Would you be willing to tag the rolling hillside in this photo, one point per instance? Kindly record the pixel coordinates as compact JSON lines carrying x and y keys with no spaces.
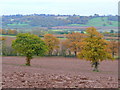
{"x":99,"y":21}
{"x":41,"y":20}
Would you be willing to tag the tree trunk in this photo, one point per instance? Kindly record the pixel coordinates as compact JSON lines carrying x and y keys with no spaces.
{"x":27,"y":61}
{"x":113,"y":54}
{"x":69,"y":52}
{"x":57,"y":52}
{"x":75,"y":53}
{"x":95,"y":66}
{"x":50,"y":53}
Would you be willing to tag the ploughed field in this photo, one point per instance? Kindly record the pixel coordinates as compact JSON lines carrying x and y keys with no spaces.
{"x":58,"y":72}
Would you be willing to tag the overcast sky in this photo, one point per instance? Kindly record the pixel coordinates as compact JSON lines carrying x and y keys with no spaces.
{"x":79,"y":7}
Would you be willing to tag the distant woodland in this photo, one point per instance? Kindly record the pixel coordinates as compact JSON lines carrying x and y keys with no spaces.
{"x":48,"y":20}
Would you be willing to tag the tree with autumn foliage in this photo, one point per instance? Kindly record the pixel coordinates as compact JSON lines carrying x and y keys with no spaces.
{"x":113,"y":46}
{"x":65,"y":50}
{"x":2,"y":41}
{"x":2,"y":31}
{"x":52,"y":42}
{"x":8,"y":32}
{"x":95,"y":48}
{"x":74,"y":42}
{"x":12,"y":32}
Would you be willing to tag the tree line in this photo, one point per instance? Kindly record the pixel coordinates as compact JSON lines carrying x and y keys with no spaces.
{"x":8,"y":32}
{"x":89,"y":46}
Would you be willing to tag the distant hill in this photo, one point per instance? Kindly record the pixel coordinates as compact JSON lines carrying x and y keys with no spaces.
{"x":99,"y":22}
{"x":43,"y":20}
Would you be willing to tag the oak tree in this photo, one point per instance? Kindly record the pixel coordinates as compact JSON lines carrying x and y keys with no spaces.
{"x":95,"y":48}
{"x":29,"y":45}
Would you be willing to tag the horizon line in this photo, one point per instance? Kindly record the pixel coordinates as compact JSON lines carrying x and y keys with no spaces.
{"x":61,"y":14}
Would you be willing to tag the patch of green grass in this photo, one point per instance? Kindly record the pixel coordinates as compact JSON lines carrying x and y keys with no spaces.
{"x":23,"y":65}
{"x":61,"y":38}
{"x":99,"y":21}
{"x":19,"y":24}
{"x":77,"y":25}
{"x":56,"y":30}
{"x":59,"y":29}
{"x":9,"y":35}
{"x":117,"y":57}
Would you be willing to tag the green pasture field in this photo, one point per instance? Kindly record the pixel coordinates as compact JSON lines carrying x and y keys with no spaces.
{"x":8,"y":35}
{"x":98,"y":22}
{"x":62,"y":38}
{"x":56,"y":30}
{"x":19,"y":24}
{"x":59,"y":29}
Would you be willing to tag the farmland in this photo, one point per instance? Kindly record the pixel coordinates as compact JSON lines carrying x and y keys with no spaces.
{"x":97,"y":22}
{"x":60,"y":51}
{"x":58,"y":72}
{"x":40,"y":20}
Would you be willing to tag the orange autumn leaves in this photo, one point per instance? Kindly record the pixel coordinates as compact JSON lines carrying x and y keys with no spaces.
{"x":52,"y":42}
{"x":95,"y":48}
{"x":8,"y":32}
{"x":113,"y":48}
{"x":74,"y":42}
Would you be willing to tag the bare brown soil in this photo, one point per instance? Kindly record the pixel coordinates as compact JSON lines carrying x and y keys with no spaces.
{"x":58,"y":72}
